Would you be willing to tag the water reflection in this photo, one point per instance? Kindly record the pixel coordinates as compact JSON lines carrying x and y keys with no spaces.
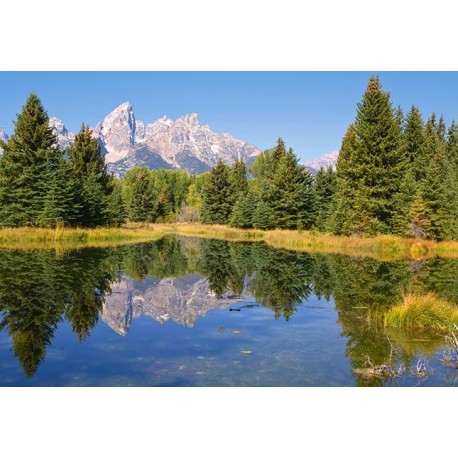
{"x":181,"y":280}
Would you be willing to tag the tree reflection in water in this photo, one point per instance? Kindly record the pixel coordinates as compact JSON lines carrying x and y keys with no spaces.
{"x":40,"y":289}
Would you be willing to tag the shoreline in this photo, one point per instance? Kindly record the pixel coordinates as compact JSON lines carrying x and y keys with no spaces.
{"x":382,"y":247}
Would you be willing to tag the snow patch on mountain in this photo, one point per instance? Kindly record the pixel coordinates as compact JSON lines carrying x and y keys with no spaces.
{"x":64,"y":137}
{"x":325,"y":161}
{"x":181,"y":144}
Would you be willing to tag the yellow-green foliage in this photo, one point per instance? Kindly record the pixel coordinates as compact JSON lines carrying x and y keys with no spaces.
{"x":33,"y":238}
{"x":423,"y":312}
{"x":382,"y":247}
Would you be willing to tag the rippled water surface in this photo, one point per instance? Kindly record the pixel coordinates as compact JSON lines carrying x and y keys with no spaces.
{"x":200,"y":312}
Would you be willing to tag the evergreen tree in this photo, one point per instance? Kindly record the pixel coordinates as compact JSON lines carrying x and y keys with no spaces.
{"x":164,"y":206}
{"x":440,"y":197}
{"x":324,"y":190}
{"x":452,"y":147}
{"x":116,"y":212}
{"x":217,"y":201}
{"x":86,"y":159}
{"x":290,"y":195}
{"x":62,"y":203}
{"x":140,"y":195}
{"x":29,"y":162}
{"x":342,"y":218}
{"x":262,"y":216}
{"x":88,"y":166}
{"x":441,"y":129}
{"x":419,"y":224}
{"x":371,"y":173}
{"x":261,"y":168}
{"x":414,"y":144}
{"x":278,"y":154}
{"x":433,"y":143}
{"x":243,"y":211}
{"x":238,"y":179}
{"x":403,"y":201}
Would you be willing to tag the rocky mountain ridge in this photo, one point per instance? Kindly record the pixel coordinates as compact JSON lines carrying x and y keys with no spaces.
{"x":325,"y":161}
{"x":181,"y":300}
{"x":181,"y":144}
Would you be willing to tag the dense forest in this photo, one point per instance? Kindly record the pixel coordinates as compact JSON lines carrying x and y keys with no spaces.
{"x":396,"y":174}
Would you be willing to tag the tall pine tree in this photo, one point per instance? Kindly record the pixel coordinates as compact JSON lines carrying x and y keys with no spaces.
{"x":30,"y":162}
{"x":88,"y":166}
{"x":372,"y":172}
{"x":218,"y":201}
{"x":290,"y":194}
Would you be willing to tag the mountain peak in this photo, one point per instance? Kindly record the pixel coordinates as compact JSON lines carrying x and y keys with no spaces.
{"x":126,"y":106}
{"x":64,"y":137}
{"x":325,"y":161}
{"x":117,"y":132}
{"x":180,"y":144}
{"x":190,"y":119}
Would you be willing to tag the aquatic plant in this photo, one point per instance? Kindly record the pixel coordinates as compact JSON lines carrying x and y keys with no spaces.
{"x":425,"y":312}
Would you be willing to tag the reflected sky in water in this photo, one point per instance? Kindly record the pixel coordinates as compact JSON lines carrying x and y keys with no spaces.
{"x":200,"y":312}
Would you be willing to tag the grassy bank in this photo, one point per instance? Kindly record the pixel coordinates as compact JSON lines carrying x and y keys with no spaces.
{"x":383,"y":247}
{"x":35,"y":238}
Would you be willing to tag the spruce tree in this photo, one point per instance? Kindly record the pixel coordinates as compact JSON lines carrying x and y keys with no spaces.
{"x":116,"y":212}
{"x":243,"y":211}
{"x":88,"y":166}
{"x":278,"y":154}
{"x":290,"y":194}
{"x":238,"y":179}
{"x":342,"y":217}
{"x":403,"y":202}
{"x":217,"y":202}
{"x":63,"y":202}
{"x":371,"y":174}
{"x":140,"y":195}
{"x":440,"y":197}
{"x":324,"y":190}
{"x":433,"y":144}
{"x":262,"y":216}
{"x":30,"y":160}
{"x":419,"y":223}
{"x":451,"y":147}
{"x":441,"y":129}
{"x":414,"y":144}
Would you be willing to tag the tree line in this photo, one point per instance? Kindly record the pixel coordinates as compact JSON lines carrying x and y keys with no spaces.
{"x":396,"y":174}
{"x":39,"y":187}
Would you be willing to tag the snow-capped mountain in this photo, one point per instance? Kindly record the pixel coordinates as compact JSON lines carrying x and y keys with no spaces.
{"x":64,"y":137}
{"x":181,"y":300}
{"x":181,"y":144}
{"x":328,"y":160}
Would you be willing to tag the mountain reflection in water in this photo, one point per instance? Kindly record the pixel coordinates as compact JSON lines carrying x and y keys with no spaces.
{"x":182,"y":280}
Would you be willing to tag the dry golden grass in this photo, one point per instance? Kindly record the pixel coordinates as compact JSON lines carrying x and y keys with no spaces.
{"x":382,"y":247}
{"x":36,"y":238}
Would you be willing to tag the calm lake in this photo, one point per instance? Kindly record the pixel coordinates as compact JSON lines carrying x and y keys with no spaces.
{"x":200,"y":312}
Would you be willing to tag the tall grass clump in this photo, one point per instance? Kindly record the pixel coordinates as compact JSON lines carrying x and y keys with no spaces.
{"x":423,"y":312}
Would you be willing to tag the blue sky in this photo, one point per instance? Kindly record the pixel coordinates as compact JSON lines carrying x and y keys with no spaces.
{"x":310,"y":110}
